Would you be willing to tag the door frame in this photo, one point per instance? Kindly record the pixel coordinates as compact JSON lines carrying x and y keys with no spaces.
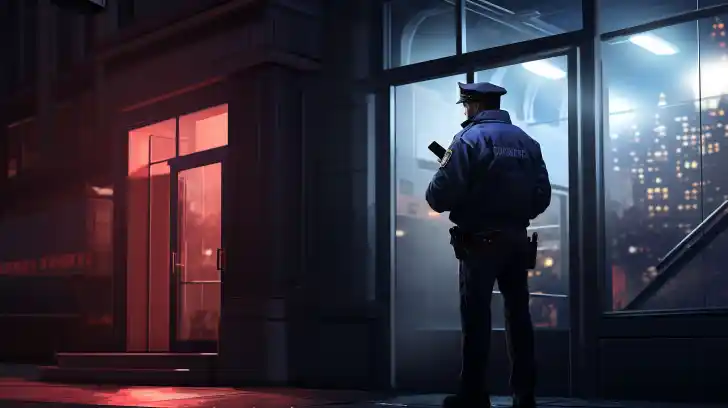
{"x":178,"y":165}
{"x":207,"y":94}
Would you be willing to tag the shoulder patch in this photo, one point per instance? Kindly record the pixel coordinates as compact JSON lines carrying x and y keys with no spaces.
{"x":445,"y":158}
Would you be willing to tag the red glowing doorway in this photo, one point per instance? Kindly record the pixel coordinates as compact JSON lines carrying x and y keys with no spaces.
{"x":175,"y":180}
{"x":196,"y":246}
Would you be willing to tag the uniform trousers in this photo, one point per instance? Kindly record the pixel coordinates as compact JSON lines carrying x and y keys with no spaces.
{"x":499,"y":260}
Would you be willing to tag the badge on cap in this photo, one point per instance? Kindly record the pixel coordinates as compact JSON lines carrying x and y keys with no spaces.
{"x":445,"y":158}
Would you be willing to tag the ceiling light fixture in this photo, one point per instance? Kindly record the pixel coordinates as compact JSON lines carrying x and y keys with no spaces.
{"x":544,"y":69}
{"x":653,"y":44}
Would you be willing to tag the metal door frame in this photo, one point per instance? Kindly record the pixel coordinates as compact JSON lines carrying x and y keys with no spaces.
{"x":178,"y":165}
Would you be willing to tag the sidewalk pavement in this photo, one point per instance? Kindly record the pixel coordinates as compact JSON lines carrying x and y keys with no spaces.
{"x":23,"y":393}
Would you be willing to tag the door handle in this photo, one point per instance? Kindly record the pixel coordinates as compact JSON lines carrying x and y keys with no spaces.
{"x":220,"y":261}
{"x":175,"y":260}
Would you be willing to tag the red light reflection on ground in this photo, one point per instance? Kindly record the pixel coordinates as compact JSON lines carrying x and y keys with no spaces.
{"x":145,"y":396}
{"x":19,"y":390}
{"x":173,"y":397}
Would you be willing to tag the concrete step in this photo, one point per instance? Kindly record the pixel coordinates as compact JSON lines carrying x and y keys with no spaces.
{"x":127,"y":376}
{"x":152,"y":361}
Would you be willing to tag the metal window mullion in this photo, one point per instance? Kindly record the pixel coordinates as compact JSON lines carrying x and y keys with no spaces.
{"x":384,"y":232}
{"x":462,"y":35}
{"x":149,"y":244}
{"x":380,"y":44}
{"x":672,"y":20}
{"x":587,"y":262}
{"x":540,"y":48}
{"x":176,"y":136}
{"x":460,"y":39}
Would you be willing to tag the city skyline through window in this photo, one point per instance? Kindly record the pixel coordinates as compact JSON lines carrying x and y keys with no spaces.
{"x":664,"y":159}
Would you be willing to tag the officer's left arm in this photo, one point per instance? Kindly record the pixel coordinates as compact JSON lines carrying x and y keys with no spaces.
{"x":449,"y":186}
{"x":542,"y":190}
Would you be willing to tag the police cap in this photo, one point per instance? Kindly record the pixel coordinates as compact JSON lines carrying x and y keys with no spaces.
{"x":479,"y":91}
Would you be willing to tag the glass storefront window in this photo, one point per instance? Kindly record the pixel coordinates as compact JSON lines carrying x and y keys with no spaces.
{"x":203,"y":130}
{"x":148,"y":229}
{"x":427,"y":286}
{"x":494,"y":23}
{"x":426,"y":271}
{"x":158,"y":259}
{"x":420,"y":30}
{"x":159,"y":137}
{"x":537,"y":101}
{"x":426,"y":295}
{"x":618,"y":14}
{"x":426,"y":29}
{"x":665,"y":165}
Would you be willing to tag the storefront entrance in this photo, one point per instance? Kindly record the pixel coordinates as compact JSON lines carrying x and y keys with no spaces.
{"x":197,"y":251}
{"x":174,"y":233}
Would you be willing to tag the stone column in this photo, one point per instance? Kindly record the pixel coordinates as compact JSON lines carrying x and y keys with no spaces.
{"x":262,"y":217}
{"x":335,"y":336}
{"x":298,"y":305}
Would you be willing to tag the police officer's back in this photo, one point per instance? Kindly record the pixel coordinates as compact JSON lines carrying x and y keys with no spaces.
{"x":493,"y":180}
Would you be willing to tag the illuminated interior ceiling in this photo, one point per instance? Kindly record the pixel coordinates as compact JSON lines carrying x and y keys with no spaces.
{"x":555,"y":16}
{"x":639,"y":68}
{"x":524,"y":18}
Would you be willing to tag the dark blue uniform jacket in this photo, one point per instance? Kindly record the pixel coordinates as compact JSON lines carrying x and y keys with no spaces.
{"x":492,"y":177}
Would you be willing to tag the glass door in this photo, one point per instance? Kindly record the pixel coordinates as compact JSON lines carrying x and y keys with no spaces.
{"x":197,"y":252}
{"x":426,"y":296}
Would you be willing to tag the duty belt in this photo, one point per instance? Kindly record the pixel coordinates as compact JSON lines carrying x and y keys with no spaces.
{"x":465,"y":243}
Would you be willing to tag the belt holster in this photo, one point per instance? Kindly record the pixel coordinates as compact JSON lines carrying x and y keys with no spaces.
{"x":457,"y":240}
{"x":532,"y":251}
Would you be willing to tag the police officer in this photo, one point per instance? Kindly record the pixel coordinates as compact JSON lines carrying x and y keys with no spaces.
{"x":493,"y":180}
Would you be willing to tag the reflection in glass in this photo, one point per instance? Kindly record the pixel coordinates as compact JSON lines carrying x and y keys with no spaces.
{"x":665,"y":169}
{"x":537,"y":101}
{"x":701,"y":283}
{"x":501,"y":22}
{"x":426,"y":291}
{"x":203,"y":130}
{"x":199,"y":211}
{"x":426,"y":269}
{"x":147,"y":230}
{"x":421,"y":30}
{"x":137,"y":240}
{"x":158,"y":280}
